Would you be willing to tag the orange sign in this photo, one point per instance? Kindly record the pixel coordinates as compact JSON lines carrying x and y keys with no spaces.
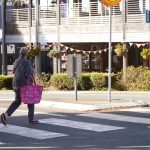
{"x":111,"y":2}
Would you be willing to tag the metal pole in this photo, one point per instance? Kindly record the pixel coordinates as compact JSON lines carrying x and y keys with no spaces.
{"x":37,"y":58}
{"x":124,"y":39}
{"x":4,"y":50}
{"x":30,"y":19}
{"x":109,"y":54}
{"x":58,"y":34}
{"x":75,"y":87}
{"x":75,"y":75}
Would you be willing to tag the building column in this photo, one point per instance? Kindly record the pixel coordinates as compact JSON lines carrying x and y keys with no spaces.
{"x":3,"y":46}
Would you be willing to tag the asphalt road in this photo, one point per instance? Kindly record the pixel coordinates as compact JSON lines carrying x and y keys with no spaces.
{"x":117,"y":130}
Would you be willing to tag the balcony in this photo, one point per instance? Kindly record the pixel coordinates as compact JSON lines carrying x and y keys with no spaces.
{"x":79,"y":24}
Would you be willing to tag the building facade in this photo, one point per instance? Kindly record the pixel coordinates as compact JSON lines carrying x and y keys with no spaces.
{"x":81,"y":25}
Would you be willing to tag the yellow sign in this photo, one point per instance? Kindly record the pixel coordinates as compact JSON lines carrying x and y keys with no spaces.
{"x":111,"y":2}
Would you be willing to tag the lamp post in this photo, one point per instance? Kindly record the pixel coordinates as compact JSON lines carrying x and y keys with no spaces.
{"x":110,"y":4}
{"x":37,"y":58}
{"x":58,"y":35}
{"x":124,"y":39}
{"x":110,"y":54}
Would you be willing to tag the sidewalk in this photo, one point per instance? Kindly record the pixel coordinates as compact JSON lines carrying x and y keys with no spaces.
{"x":87,"y":100}
{"x":91,"y":104}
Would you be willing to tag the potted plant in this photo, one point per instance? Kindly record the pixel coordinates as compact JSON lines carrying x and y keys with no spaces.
{"x":33,"y":52}
{"x":145,"y":53}
{"x":54,"y":53}
{"x":120,"y":50}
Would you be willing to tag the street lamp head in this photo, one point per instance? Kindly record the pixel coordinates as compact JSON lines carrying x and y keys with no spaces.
{"x":111,"y":2}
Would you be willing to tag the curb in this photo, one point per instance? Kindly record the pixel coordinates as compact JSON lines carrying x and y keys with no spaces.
{"x":88,"y":107}
{"x":85,"y":107}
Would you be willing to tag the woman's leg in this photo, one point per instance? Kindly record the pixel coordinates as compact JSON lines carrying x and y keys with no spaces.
{"x":31,"y":112}
{"x":15,"y":104}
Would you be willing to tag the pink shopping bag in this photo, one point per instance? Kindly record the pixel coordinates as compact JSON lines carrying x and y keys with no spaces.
{"x":31,"y":94}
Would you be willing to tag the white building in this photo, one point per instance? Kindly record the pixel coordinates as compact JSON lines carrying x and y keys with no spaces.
{"x":84,"y":25}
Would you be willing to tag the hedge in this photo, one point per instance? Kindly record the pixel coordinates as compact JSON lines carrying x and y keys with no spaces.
{"x":6,"y":82}
{"x":61,"y":82}
{"x":84,"y":82}
{"x":137,"y":79}
{"x":87,"y":81}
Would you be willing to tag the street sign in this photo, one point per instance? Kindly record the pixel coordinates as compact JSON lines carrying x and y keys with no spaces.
{"x":111,"y":2}
{"x":74,"y":68}
{"x":148,"y":16}
{"x":74,"y":65}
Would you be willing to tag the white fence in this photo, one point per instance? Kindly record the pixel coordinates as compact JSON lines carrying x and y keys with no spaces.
{"x":77,"y":14}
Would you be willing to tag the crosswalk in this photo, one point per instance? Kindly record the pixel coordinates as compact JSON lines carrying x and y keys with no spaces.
{"x":29,"y":132}
{"x":81,"y":122}
{"x":1,"y":143}
{"x":118,"y":118}
{"x":80,"y":125}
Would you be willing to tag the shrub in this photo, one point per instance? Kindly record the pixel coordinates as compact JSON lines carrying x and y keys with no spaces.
{"x":6,"y":82}
{"x":99,"y":80}
{"x":84,"y":82}
{"x":44,"y":79}
{"x":61,"y":81}
{"x":87,"y":81}
{"x":147,"y":74}
{"x":136,"y":79}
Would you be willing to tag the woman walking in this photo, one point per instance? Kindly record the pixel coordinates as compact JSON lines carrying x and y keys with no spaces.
{"x":23,"y":73}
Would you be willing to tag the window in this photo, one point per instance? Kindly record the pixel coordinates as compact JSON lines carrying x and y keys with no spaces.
{"x":85,"y":59}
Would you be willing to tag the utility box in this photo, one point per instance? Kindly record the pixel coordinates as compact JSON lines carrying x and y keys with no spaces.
{"x":148,"y":16}
{"x":74,"y":65}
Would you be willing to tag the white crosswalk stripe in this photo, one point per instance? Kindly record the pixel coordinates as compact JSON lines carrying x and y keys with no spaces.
{"x":116,"y":117}
{"x":29,"y":132}
{"x":138,"y":110}
{"x":1,"y":143}
{"x":80,"y":125}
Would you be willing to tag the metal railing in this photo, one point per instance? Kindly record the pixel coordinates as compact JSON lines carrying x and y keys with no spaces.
{"x":78,"y":14}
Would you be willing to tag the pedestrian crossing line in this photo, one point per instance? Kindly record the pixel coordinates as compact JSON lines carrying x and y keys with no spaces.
{"x":80,"y":125}
{"x":29,"y":132}
{"x":137,"y":110}
{"x":44,"y":147}
{"x":117,"y":117}
{"x":1,"y":143}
